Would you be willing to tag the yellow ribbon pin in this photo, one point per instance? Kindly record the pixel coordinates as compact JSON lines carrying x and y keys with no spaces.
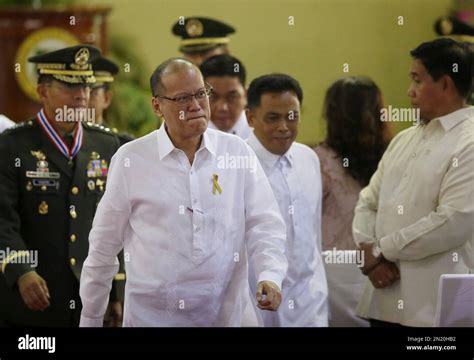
{"x":215,"y":184}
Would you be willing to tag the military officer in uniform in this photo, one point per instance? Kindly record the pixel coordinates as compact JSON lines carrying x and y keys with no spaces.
{"x":101,"y":93}
{"x":202,"y":37}
{"x":105,"y":71}
{"x":53,"y":172}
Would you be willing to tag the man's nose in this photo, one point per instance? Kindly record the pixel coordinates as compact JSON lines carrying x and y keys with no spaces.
{"x":194,"y":104}
{"x":222,"y":105}
{"x":410,"y":92}
{"x":283,"y":126}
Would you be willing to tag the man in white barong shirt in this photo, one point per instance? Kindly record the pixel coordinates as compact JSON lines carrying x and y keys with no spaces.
{"x":414,"y":221}
{"x":186,"y":217}
{"x":294,"y":173}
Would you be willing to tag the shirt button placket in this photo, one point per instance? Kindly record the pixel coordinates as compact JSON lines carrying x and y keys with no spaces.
{"x":196,"y":216}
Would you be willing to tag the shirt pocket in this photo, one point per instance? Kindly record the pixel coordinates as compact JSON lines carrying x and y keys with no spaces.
{"x":220,"y":215}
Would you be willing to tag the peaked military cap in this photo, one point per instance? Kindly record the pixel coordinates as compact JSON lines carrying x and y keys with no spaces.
{"x":72,"y":65}
{"x":201,"y":33}
{"x":104,"y":70}
{"x":455,"y":28}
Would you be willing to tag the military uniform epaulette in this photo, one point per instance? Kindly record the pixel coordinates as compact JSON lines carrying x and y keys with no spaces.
{"x":97,"y":127}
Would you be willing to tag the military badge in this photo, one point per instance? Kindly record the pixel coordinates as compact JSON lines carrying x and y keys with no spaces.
{"x":42,"y":164}
{"x":104,"y":168}
{"x":100,"y":184}
{"x":43,"y":208}
{"x":91,"y":185}
{"x":97,"y":167}
{"x":194,"y":28}
{"x":42,"y":170}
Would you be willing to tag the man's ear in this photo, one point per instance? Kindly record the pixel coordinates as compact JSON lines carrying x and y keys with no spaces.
{"x":250,"y":117}
{"x":447,"y":83}
{"x":42,"y":90}
{"x":108,"y":96}
{"x":450,"y":86}
{"x":155,"y":104}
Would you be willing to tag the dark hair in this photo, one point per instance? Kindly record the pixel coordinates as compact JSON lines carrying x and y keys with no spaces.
{"x":224,"y":65}
{"x":155,"y":79}
{"x":45,"y":79}
{"x":352,"y":109}
{"x":440,"y":55}
{"x":273,"y":83}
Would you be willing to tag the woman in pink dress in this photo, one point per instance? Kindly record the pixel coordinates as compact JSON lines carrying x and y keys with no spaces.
{"x":356,"y":139}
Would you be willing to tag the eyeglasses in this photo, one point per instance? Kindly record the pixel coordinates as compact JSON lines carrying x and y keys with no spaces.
{"x":187,"y":98}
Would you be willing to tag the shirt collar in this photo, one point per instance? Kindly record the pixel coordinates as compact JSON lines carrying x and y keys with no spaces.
{"x":211,"y":125}
{"x":266,"y":156}
{"x":165,"y":145}
{"x":450,"y":120}
{"x":238,"y":126}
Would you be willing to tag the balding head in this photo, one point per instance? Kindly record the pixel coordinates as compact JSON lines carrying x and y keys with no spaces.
{"x":178,"y":87}
{"x":170,"y":66}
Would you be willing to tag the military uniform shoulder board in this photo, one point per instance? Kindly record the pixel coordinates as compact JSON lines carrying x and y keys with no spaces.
{"x":97,"y":127}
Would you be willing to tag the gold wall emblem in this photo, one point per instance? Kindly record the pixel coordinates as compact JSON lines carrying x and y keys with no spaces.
{"x":39,"y":42}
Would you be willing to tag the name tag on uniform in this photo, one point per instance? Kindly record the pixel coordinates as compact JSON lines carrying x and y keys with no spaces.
{"x":46,"y":182}
{"x":43,"y":174}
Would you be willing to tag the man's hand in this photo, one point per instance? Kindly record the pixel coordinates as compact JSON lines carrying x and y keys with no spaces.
{"x":34,"y":291}
{"x":384,"y":274}
{"x":370,"y":261}
{"x":113,"y":315}
{"x":268,"y":295}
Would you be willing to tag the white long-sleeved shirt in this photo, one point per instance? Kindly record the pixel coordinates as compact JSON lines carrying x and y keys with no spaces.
{"x":5,"y":123}
{"x":241,"y":127}
{"x":295,"y":179}
{"x":184,"y":245}
{"x":419,"y":208}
